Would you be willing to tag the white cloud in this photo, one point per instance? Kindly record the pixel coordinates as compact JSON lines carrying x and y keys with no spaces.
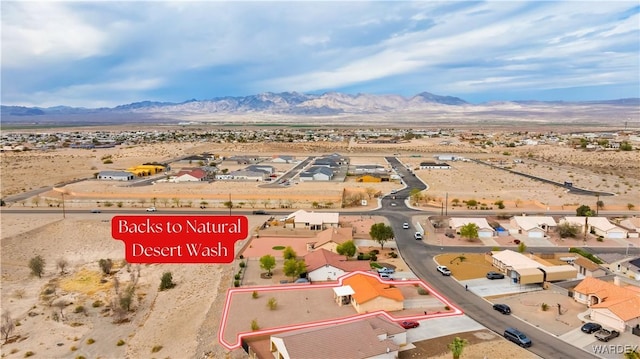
{"x":39,"y":32}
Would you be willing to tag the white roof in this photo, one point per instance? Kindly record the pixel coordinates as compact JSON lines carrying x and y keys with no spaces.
{"x":528,"y":223}
{"x":302,"y":216}
{"x":343,"y":291}
{"x":601,"y":223}
{"x":459,"y":222}
{"x":515,"y":260}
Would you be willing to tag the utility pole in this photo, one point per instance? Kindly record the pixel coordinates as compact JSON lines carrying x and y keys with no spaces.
{"x":597,"y":203}
{"x":446,"y":203}
{"x":230,"y":204}
{"x":64,"y":214}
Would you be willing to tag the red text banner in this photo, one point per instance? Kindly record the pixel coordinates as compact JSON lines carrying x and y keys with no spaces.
{"x":179,"y":239}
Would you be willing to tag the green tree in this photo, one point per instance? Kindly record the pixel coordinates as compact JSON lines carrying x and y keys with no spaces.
{"x":626,"y":146}
{"x":289,"y":253}
{"x":36,"y":264}
{"x":567,"y":229}
{"x":630,"y":206}
{"x":522,"y":247}
{"x":294,"y":267}
{"x":469,"y":231}
{"x":457,"y":346}
{"x":584,"y":211}
{"x":105,"y":265}
{"x":267,"y":262}
{"x":415,"y":195}
{"x":166,"y":282}
{"x":347,"y":249}
{"x":381,"y":233}
{"x":499,"y":203}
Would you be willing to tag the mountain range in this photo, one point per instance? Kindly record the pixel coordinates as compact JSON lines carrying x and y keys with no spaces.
{"x":295,"y":103}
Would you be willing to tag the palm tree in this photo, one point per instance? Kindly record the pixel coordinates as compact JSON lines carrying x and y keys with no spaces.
{"x":457,"y":346}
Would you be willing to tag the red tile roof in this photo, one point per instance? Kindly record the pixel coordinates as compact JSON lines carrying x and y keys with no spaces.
{"x":322,"y":257}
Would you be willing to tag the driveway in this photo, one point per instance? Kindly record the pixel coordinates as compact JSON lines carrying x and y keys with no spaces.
{"x":484,"y":287}
{"x":437,"y":327}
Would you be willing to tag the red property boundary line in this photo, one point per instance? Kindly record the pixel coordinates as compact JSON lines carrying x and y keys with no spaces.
{"x":455,"y":311}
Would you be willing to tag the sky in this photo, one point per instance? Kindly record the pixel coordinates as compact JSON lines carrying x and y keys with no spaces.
{"x":107,"y":53}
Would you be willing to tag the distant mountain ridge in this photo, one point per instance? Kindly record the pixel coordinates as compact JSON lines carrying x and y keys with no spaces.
{"x":295,"y":103}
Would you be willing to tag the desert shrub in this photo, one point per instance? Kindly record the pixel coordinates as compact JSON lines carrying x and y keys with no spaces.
{"x":373,"y":257}
{"x":73,"y":348}
{"x":166,"y":282}
{"x":374,"y":251}
{"x":156,"y":348}
{"x":105,"y":265}
{"x":36,"y":264}
{"x":446,"y":307}
{"x":29,"y":353}
{"x":236,"y":276}
{"x":254,"y":325}
{"x":423,"y":291}
{"x":79,"y":309}
{"x":120,"y":343}
{"x":544,"y":307}
{"x":90,"y":341}
{"x":97,"y":304}
{"x":393,"y":255}
{"x":254,"y":295}
{"x":272,"y":304}
{"x":81,"y":357}
{"x":600,"y":239}
{"x":236,"y":283}
{"x":243,"y":264}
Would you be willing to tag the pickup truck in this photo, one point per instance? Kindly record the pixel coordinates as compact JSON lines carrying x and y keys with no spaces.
{"x":604,"y":335}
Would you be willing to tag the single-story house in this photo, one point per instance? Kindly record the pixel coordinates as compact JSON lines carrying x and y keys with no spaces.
{"x":434,"y":166}
{"x":373,"y":178}
{"x":312,"y":220}
{"x":316,"y":173}
{"x":330,"y":238}
{"x":614,"y":305}
{"x":115,"y":175}
{"x":524,"y":269}
{"x":484,"y":229}
{"x":632,"y":225}
{"x":361,"y":169}
{"x":588,"y":268}
{"x":533,"y":226}
{"x":367,"y":338}
{"x":192,"y":175}
{"x":371,"y":295}
{"x":243,"y":175}
{"x":283,"y":159}
{"x":264,"y":168}
{"x":146,"y":170}
{"x":323,"y":265}
{"x":600,"y":226}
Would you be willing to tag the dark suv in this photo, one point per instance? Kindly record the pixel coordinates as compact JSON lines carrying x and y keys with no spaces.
{"x":502,"y":308}
{"x":517,"y":337}
{"x":495,"y":275}
{"x":591,"y":328}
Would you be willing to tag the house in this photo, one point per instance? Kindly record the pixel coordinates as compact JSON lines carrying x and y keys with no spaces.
{"x":631,"y":268}
{"x":484,"y":229}
{"x":312,"y":220}
{"x":192,"y":175}
{"x":371,"y":295}
{"x":374,"y":169}
{"x":325,"y":162}
{"x":244,"y":160}
{"x":613,"y":305}
{"x":632,"y":225}
{"x":146,"y":170}
{"x":374,"y":337}
{"x":330,"y":238}
{"x":323,"y":265}
{"x":115,"y":175}
{"x":434,"y":166}
{"x":373,"y":178}
{"x":202,"y":159}
{"x":316,"y":173}
{"x":264,"y":168}
{"x":533,"y":226}
{"x":588,"y":268}
{"x":243,"y":175}
{"x":524,"y":269}
{"x":283,"y":159}
{"x":600,"y":226}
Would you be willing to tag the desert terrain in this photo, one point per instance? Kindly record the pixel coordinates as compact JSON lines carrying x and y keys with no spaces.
{"x":64,"y":313}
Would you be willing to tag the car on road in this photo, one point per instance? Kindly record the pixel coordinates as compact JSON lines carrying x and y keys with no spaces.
{"x":418,"y":236}
{"x":502,"y":308}
{"x":260,"y":211}
{"x":393,"y":204}
{"x":394,"y":191}
{"x":443,"y":270}
{"x":96,"y":211}
{"x":450,"y":235}
{"x":405,"y":225}
{"x":386,"y":270}
{"x":517,"y":337}
{"x":152,"y":209}
{"x":590,"y":328}
{"x":604,"y":335}
{"x":495,"y":275}
{"x":408,"y":324}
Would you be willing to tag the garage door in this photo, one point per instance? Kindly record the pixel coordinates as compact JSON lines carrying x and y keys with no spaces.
{"x":536,"y":234}
{"x":616,"y":235}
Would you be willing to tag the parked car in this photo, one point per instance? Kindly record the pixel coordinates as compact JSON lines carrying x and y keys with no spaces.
{"x":443,"y":270}
{"x":260,"y":211}
{"x":502,"y":308}
{"x":408,"y":324}
{"x":95,"y":211}
{"x":604,"y":335}
{"x":517,"y":337}
{"x":405,"y":225}
{"x":386,"y":276}
{"x":393,"y":204}
{"x":386,"y":270}
{"x":495,"y":275}
{"x":151,"y":209}
{"x":590,"y":328}
{"x":450,"y":235}
{"x":418,"y":236}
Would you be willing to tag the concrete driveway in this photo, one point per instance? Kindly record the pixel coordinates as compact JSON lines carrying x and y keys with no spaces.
{"x":437,"y":327}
